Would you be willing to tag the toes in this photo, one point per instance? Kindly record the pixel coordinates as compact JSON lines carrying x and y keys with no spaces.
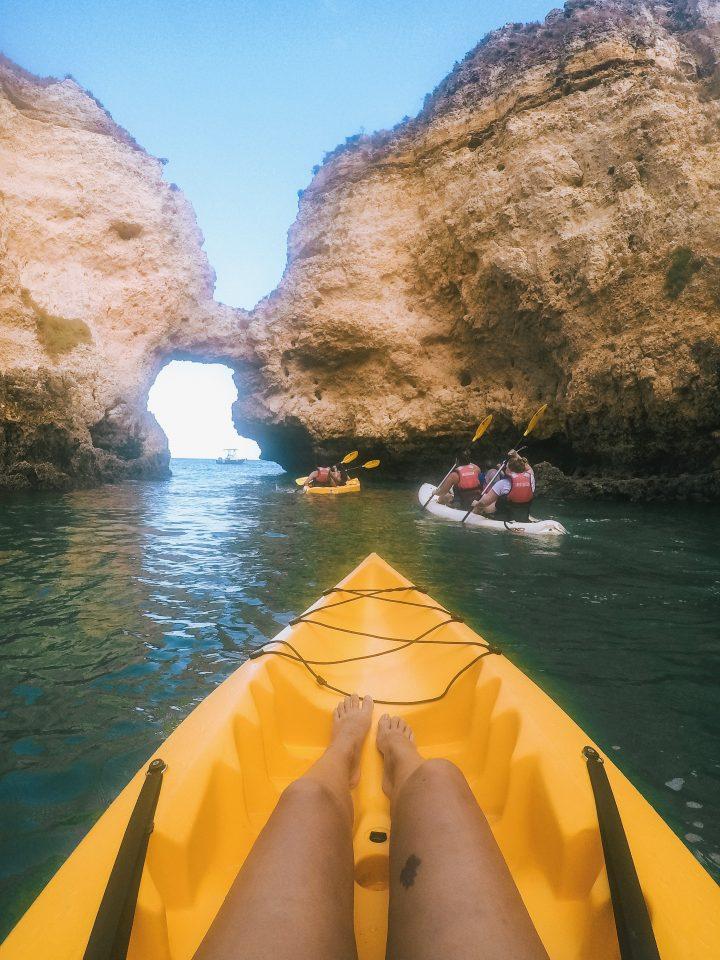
{"x":396,"y":725}
{"x":351,"y":704}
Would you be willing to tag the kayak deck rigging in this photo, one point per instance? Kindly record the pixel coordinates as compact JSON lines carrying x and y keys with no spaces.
{"x":404,"y":642}
{"x":233,"y":755}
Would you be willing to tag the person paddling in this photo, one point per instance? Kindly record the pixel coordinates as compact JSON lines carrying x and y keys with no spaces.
{"x":327,"y":477}
{"x":463,"y":484}
{"x":511,"y":493}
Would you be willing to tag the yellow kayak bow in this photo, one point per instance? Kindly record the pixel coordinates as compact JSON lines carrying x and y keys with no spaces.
{"x":229,"y":760}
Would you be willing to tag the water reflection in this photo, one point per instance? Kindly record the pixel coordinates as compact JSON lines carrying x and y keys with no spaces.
{"x":122,"y":607}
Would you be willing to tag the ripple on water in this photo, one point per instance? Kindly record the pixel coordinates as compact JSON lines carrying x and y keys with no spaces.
{"x":123,"y":607}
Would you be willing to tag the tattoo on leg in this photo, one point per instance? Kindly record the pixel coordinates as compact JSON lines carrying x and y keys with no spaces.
{"x":409,"y":871}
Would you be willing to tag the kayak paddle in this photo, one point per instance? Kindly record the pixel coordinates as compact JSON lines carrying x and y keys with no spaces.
{"x":370,"y":465}
{"x":528,"y":430}
{"x":348,"y":458}
{"x":482,"y":427}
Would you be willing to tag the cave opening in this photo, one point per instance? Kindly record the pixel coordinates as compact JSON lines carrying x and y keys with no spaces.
{"x":192,"y":402}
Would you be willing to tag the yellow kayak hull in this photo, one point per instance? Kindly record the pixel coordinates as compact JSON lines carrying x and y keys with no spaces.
{"x":229,"y":760}
{"x":352,"y":486}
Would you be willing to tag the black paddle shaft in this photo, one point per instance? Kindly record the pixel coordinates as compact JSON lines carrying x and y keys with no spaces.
{"x":632,"y":920}
{"x":500,"y":473}
{"x":110,"y":935}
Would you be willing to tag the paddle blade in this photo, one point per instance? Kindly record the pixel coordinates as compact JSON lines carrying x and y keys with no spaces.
{"x":482,"y":428}
{"x":350,"y":457}
{"x":371,"y":464}
{"x":301,"y":481}
{"x":536,"y":417}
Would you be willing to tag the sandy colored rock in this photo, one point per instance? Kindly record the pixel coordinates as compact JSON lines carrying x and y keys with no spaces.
{"x":102,"y":278}
{"x":545,"y":230}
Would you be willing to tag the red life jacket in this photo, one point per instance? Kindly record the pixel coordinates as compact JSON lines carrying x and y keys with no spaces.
{"x":468,"y":477}
{"x":521,"y":490}
{"x":323,"y":475}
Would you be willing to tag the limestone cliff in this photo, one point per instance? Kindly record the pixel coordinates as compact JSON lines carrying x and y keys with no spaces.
{"x":102,"y":279}
{"x":547,"y":229}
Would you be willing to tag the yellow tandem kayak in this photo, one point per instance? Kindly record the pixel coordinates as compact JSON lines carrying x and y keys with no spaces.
{"x":229,"y":760}
{"x":352,"y":486}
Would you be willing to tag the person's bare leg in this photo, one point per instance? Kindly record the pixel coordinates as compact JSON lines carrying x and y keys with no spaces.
{"x":293,"y":896}
{"x":451,"y":893}
{"x":444,"y":491}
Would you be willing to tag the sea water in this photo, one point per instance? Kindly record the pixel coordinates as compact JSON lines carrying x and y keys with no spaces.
{"x":122,"y":607}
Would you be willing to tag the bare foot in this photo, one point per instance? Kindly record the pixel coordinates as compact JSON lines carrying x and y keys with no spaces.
{"x":396,"y":743}
{"x":351,"y":722}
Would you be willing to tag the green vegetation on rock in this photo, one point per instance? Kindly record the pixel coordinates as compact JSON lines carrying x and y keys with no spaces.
{"x":57,"y":335}
{"x":683,"y":265}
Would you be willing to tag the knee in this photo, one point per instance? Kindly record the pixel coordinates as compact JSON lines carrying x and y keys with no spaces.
{"x":307,"y":792}
{"x":439,"y":772}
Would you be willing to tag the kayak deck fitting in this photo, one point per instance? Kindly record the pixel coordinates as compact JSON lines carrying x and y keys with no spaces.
{"x":426,"y":495}
{"x":352,"y":486}
{"x":229,"y":760}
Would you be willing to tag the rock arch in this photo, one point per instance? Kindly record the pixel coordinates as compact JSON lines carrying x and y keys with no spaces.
{"x":544,"y":230}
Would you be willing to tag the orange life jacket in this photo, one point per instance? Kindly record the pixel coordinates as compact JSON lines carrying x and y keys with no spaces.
{"x":521,"y":490}
{"x":468,"y":477}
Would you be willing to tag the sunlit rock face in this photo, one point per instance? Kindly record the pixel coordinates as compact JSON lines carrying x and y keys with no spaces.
{"x":102,"y":279}
{"x":545,"y":230}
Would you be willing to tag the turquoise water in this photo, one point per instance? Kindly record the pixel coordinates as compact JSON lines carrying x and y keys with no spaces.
{"x":122,"y":607}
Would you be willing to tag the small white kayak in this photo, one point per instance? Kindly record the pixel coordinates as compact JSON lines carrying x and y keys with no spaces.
{"x":535,"y":528}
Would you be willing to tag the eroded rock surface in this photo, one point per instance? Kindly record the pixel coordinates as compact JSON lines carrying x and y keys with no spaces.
{"x":102,"y":279}
{"x":545,"y":230}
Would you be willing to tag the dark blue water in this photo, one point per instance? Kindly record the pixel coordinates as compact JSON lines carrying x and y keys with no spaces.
{"x":122,"y":607}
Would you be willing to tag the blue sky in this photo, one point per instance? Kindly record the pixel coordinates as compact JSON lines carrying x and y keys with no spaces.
{"x":243,"y":98}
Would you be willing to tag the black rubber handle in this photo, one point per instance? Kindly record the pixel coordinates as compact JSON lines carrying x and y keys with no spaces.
{"x":632,"y":920}
{"x":110,"y":935}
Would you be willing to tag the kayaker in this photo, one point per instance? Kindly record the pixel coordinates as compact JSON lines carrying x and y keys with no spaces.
{"x":512,"y":492}
{"x":339,"y":475}
{"x":491,"y":471}
{"x":463,"y":484}
{"x":451,"y":892}
{"x":323,"y":477}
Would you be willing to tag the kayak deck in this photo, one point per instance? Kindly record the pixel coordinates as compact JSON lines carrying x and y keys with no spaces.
{"x":426,"y":495}
{"x":229,"y":760}
{"x":352,"y":486}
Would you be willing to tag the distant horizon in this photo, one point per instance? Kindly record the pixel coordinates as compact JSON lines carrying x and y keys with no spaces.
{"x":214,"y":459}
{"x":192,"y":402}
{"x":258,"y":459}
